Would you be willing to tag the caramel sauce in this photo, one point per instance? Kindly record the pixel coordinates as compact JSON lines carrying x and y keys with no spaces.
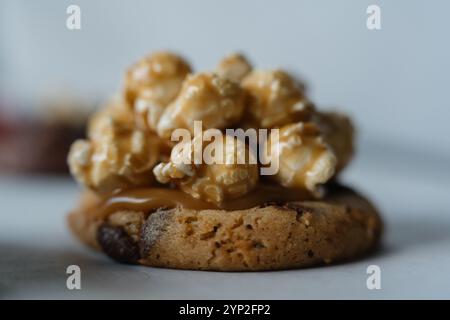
{"x":147,"y":199}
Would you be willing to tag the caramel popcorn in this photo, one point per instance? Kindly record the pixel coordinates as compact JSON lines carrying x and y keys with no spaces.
{"x":148,"y":111}
{"x":207,"y":97}
{"x":129,"y":142}
{"x":305,"y":160}
{"x":115,"y":110}
{"x":338,"y":132}
{"x":276,"y":99}
{"x":234,"y":67}
{"x":115,"y":157}
{"x":214,"y":182}
{"x":152,"y":83}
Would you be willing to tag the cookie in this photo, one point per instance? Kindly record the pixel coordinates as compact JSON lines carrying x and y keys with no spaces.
{"x":272,"y":236}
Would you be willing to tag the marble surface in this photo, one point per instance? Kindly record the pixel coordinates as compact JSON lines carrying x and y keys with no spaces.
{"x":412,"y":190}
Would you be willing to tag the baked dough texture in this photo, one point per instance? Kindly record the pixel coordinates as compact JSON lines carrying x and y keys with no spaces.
{"x":273,"y":236}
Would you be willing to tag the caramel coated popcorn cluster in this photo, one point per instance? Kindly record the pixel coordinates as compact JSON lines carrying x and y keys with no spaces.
{"x":116,"y":155}
{"x":214,"y":100}
{"x":129,"y":141}
{"x":276,"y":99}
{"x":152,"y":83}
{"x":306,"y":160}
{"x":215,"y":182}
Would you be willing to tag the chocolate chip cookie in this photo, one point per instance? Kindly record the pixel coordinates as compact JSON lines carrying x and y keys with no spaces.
{"x":271,"y":236}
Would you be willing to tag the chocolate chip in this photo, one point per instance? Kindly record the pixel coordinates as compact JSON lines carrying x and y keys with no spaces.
{"x":117,"y":244}
{"x":298,"y":208}
{"x":153,"y":228}
{"x":258,"y":245}
{"x":149,"y":212}
{"x":273,"y":204}
{"x":210,"y":234}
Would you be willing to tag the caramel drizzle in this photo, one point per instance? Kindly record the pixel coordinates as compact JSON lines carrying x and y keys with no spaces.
{"x":147,"y":199}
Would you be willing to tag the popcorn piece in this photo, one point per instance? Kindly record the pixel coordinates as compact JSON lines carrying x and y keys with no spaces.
{"x":234,"y":67}
{"x":305,"y":161}
{"x":115,"y":110}
{"x":338,"y":132}
{"x":152,"y":83}
{"x":116,"y":157}
{"x":217,"y":181}
{"x":148,"y":111}
{"x":276,"y":99}
{"x":216,"y":101}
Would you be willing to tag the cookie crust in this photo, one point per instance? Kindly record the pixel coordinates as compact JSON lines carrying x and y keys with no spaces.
{"x":272,"y":236}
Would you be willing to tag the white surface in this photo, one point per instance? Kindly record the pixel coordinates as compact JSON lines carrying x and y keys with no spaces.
{"x":411,"y":189}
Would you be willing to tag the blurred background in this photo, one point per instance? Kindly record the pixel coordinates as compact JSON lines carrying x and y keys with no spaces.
{"x":393,"y":82}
